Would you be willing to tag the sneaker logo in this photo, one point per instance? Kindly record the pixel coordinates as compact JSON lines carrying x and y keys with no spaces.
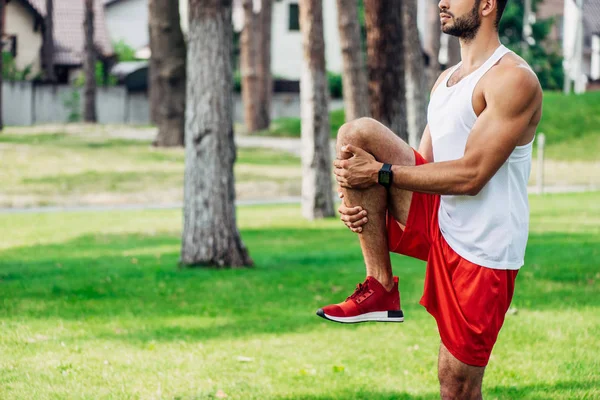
{"x":364,"y":296}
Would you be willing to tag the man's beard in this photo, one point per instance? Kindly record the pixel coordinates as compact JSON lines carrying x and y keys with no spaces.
{"x":465,"y":27}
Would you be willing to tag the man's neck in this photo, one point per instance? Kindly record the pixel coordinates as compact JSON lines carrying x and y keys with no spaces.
{"x":476,"y":51}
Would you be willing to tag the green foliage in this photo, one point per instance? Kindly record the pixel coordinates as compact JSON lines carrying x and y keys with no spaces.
{"x":10,"y":72}
{"x":542,"y":55}
{"x":93,"y":306}
{"x":72,"y":102}
{"x":335,"y":85}
{"x":123,"y":51}
{"x":99,"y":73}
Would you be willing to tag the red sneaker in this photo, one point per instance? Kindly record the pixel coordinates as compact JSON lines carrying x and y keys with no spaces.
{"x":369,"y":302}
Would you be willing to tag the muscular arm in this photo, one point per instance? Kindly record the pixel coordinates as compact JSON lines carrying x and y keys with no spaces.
{"x":497,"y":131}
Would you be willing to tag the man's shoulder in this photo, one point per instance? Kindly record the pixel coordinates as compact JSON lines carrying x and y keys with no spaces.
{"x":512,"y":73}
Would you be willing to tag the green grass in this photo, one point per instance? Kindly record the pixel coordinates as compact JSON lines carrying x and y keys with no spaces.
{"x":291,"y":127}
{"x":63,"y":169}
{"x":94,"y":307}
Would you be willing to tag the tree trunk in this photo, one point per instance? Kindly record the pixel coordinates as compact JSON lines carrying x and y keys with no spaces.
{"x":317,"y":193}
{"x":249,"y":61}
{"x":354,"y":77}
{"x":255,"y":65}
{"x":433,"y":41}
{"x":453,"y":50}
{"x":210,"y":234}
{"x":385,"y":51}
{"x":167,"y":48}
{"x":416,"y":81}
{"x":89,"y":113}
{"x":2,"y":8}
{"x":265,"y":77}
{"x":49,"y":42}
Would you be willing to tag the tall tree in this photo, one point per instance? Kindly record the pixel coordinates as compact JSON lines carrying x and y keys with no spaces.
{"x":416,"y":80}
{"x":89,"y":64}
{"x":317,"y":193}
{"x":210,"y":233}
{"x":48,"y":52}
{"x":255,"y":64}
{"x":265,"y":75}
{"x":167,"y":71}
{"x":354,"y":76}
{"x":249,"y":64}
{"x":432,"y":46}
{"x":2,"y":10}
{"x":385,"y":51}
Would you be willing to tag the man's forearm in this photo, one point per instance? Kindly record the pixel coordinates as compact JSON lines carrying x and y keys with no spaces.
{"x":446,"y":178}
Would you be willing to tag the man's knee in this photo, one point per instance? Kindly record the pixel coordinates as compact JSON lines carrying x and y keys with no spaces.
{"x":459,"y":386}
{"x":357,"y":132}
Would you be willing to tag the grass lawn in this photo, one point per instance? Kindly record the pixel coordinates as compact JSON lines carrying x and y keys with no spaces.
{"x":93,"y":307}
{"x":68,"y":169}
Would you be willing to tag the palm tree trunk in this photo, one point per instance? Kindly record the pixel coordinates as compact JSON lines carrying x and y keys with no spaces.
{"x":167,"y":68}
{"x":210,"y":234}
{"x":89,"y":113}
{"x":265,"y":77}
{"x":249,"y":64}
{"x":317,"y":193}
{"x":354,"y":77}
{"x":416,"y":81}
{"x":385,"y":50}
{"x":433,"y":41}
{"x":2,"y":11}
{"x":48,"y":52}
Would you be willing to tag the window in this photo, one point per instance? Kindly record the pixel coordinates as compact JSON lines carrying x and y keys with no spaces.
{"x":294,"y":23}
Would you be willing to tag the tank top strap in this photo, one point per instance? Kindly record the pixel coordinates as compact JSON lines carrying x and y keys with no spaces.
{"x":500,"y":52}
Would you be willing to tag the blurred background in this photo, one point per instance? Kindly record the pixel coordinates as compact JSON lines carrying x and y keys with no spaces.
{"x":167,"y":212}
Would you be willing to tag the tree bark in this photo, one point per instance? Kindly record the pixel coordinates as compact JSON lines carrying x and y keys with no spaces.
{"x":354,"y":76}
{"x":167,"y":64}
{"x":49,"y":42}
{"x":255,"y":64}
{"x":416,"y":81}
{"x":453,"y":50}
{"x":385,"y":51}
{"x":210,"y":235}
{"x":249,"y":64}
{"x":317,"y":193}
{"x":433,"y":41}
{"x":89,"y":113}
{"x":265,"y":76}
{"x":2,"y":11}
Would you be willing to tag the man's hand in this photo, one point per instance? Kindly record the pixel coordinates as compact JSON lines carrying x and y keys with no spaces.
{"x":353,"y":217}
{"x":357,"y":172}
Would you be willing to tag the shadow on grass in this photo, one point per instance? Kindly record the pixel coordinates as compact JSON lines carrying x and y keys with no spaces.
{"x":133,"y":280}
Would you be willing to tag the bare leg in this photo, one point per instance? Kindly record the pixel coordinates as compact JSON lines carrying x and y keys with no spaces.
{"x":457,"y":379}
{"x":386,"y":147}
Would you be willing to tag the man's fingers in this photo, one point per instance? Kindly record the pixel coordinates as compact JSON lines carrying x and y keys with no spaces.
{"x":340,"y":164}
{"x":350,"y":148}
{"x":350,"y":210}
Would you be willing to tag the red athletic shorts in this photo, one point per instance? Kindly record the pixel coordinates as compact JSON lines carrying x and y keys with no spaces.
{"x":468,"y":301}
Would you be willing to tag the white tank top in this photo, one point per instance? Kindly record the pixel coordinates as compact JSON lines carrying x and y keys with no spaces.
{"x":489,"y":229}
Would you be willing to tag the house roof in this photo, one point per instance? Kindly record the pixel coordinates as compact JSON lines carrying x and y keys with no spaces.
{"x":68,"y":30}
{"x":591,"y":16}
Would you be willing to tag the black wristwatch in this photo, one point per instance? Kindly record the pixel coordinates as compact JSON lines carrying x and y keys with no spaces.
{"x":386,"y":177}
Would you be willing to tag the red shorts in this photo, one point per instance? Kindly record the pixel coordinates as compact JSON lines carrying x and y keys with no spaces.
{"x":468,"y":301}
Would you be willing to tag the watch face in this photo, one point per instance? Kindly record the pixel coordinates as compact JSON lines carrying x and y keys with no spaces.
{"x":384,"y":178}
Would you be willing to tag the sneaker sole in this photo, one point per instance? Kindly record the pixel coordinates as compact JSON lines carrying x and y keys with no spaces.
{"x":376,"y":316}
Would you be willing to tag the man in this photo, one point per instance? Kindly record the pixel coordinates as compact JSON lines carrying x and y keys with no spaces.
{"x":459,"y":203}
